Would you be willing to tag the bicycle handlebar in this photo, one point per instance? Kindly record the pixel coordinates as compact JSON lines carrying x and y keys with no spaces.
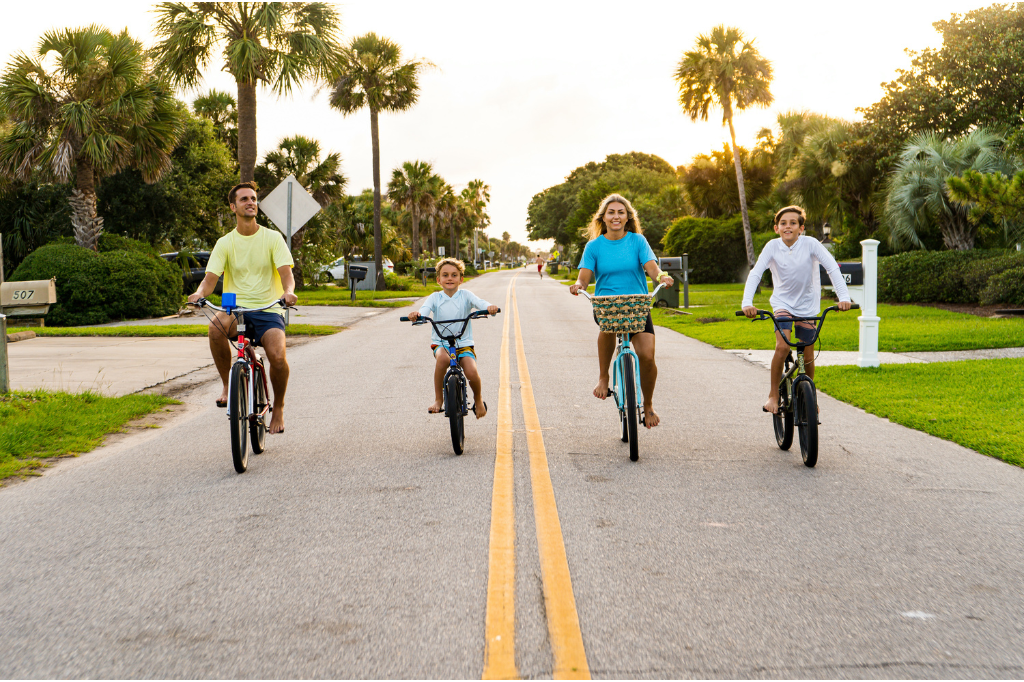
{"x":203,"y":303}
{"x":766,"y":314}
{"x":591,"y":298}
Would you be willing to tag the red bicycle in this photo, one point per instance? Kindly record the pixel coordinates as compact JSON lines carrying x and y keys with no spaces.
{"x":248,"y":394}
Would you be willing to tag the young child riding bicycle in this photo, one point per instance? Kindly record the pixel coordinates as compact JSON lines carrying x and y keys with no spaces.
{"x":793,"y":259}
{"x":453,"y":303}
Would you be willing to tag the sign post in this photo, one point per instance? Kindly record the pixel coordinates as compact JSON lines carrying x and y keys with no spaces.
{"x":289,"y":206}
{"x":869,"y":307}
{"x":5,"y":374}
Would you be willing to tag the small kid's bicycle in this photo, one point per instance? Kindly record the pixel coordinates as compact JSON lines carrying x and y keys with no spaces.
{"x":248,"y":397}
{"x":798,"y":400}
{"x":625,"y":315}
{"x":454,"y":384}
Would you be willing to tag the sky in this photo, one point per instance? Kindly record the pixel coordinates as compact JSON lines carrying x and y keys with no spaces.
{"x":523,"y":93}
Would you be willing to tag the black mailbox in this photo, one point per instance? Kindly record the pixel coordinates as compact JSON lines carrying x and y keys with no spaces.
{"x":357,"y":272}
{"x":853,"y":273}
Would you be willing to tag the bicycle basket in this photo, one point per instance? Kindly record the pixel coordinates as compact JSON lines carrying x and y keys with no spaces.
{"x":622,"y":314}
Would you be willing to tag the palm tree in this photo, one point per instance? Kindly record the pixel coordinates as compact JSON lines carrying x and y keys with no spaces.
{"x":444,"y":208}
{"x":917,"y":191}
{"x":370,"y":73}
{"x":409,"y":190}
{"x":275,"y":43}
{"x":222,"y":109}
{"x":98,"y":111}
{"x":726,"y":71}
{"x":476,"y":196}
{"x":323,"y":179}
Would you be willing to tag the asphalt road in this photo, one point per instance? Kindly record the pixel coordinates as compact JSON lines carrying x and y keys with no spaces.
{"x":360,"y":546}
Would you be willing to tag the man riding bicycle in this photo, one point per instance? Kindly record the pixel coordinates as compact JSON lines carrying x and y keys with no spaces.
{"x":257,"y":267}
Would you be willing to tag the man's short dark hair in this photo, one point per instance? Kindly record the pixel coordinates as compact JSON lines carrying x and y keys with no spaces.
{"x":242,"y":185}
{"x":801,"y":216}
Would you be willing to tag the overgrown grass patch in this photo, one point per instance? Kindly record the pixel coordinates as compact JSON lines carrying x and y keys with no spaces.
{"x":903,"y":328}
{"x":153,"y":330}
{"x":976,"y":403}
{"x":40,"y":425}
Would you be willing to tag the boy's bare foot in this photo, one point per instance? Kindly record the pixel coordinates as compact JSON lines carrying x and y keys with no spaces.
{"x":277,"y":421}
{"x":772,"y":405}
{"x":651,"y":418}
{"x":480,"y":409}
{"x":437,"y":407}
{"x":601,"y":390}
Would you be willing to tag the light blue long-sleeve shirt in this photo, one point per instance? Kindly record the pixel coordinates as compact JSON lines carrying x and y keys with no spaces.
{"x":439,"y":306}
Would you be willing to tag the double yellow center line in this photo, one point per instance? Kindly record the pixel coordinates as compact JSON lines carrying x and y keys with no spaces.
{"x":570,"y":658}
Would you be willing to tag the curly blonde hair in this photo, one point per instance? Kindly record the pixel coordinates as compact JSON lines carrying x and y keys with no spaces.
{"x":450,"y":261}
{"x":597,"y":227}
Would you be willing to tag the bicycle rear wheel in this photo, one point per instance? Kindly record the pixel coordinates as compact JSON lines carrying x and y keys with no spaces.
{"x":783,"y":419}
{"x":257,"y":423}
{"x":238,"y":414}
{"x":807,"y":421}
{"x":453,"y":408}
{"x":629,"y":386}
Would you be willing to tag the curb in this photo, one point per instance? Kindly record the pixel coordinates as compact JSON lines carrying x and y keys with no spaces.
{"x":20,"y":336}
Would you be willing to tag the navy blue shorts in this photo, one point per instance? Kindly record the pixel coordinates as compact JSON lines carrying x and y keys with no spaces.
{"x":258,"y":324}
{"x":804,"y":334}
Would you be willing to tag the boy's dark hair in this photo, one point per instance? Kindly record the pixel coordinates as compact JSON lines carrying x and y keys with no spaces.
{"x":242,"y":185}
{"x":801,"y":216}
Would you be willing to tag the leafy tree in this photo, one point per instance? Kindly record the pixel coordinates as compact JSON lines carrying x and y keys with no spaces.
{"x":322,"y":178}
{"x":410,"y":190}
{"x":370,"y":73}
{"x":475,"y":198}
{"x":918,"y":199}
{"x":973,"y":80}
{"x":357,"y":228}
{"x":993,"y":194}
{"x":31,"y":215}
{"x":725,"y":71}
{"x":709,"y":182}
{"x":275,"y":43}
{"x":222,"y":110}
{"x":187,"y":207}
{"x":98,"y":111}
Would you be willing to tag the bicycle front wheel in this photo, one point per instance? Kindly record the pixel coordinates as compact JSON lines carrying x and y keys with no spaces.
{"x":238,"y":414}
{"x":629,"y":386}
{"x":807,"y":422}
{"x":453,"y":407}
{"x":258,"y":423}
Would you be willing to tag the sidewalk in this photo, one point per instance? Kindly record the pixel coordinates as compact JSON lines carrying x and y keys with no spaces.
{"x":838,"y":357}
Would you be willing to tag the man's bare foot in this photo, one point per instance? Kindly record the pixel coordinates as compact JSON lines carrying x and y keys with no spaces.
{"x":772,"y":405}
{"x":601,"y":390}
{"x":436,"y":407}
{"x":651,"y":418}
{"x":277,"y":421}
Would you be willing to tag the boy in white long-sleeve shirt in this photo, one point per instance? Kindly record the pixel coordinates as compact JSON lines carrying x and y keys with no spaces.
{"x":452,"y":303}
{"x":793,"y":260}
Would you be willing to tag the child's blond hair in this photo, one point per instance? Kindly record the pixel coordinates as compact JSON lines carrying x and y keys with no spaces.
{"x":450,"y":261}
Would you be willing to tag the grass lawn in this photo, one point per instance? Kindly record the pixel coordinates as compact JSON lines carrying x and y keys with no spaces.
{"x":337,"y":296}
{"x":39,"y":425}
{"x":163,"y":330}
{"x":976,"y":403}
{"x":904,"y":328}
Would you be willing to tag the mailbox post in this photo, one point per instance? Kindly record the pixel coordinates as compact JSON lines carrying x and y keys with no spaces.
{"x":356,"y":273}
{"x":427,"y":271}
{"x":869,"y":306}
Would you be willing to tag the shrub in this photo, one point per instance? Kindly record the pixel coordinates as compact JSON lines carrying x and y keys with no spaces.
{"x":115,"y":242}
{"x":93,"y":288}
{"x":403,"y":267}
{"x":716,"y":249}
{"x":928,"y":276}
{"x":1005,"y":287}
{"x":393,"y":282}
{"x":978,"y":273}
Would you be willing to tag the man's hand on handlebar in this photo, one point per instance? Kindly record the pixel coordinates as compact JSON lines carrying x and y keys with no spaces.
{"x":750,"y":311}
{"x":194,"y":298}
{"x":290,"y":299}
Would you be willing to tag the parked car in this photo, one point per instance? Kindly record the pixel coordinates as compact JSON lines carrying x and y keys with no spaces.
{"x":337,"y":268}
{"x":194,"y":274}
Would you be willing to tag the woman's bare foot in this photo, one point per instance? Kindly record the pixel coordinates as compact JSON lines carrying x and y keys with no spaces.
{"x":277,"y":421}
{"x":651,"y":418}
{"x":772,"y":405}
{"x":601,"y":390}
{"x":437,"y":407}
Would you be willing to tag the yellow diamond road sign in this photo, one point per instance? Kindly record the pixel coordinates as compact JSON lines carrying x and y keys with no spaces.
{"x":303,"y":206}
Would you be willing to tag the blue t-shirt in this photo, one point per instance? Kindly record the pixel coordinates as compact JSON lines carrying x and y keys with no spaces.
{"x":618,"y":265}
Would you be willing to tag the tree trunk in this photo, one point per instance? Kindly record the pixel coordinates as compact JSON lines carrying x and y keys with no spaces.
{"x":452,"y":241}
{"x":958,"y":235}
{"x":87,"y":225}
{"x":378,"y":256}
{"x":433,"y":236}
{"x":415,"y":218}
{"x":747,"y":238}
{"x":246,"y":131}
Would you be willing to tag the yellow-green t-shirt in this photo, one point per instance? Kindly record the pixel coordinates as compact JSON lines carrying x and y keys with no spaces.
{"x":249,"y":265}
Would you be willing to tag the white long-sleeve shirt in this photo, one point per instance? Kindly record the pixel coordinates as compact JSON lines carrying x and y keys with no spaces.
{"x":439,"y":307}
{"x":795,"y":276}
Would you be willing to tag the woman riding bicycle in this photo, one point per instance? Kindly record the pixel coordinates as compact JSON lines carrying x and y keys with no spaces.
{"x":619,"y":255}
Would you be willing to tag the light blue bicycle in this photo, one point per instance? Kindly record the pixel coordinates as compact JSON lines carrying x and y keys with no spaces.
{"x":625,"y":316}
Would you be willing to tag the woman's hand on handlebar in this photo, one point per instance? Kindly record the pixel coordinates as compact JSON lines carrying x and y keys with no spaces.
{"x":750,"y":311}
{"x":576,"y":288}
{"x":666,"y":280}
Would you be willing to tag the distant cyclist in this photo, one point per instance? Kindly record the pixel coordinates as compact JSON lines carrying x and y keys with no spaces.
{"x":619,"y":255}
{"x":258,"y":268}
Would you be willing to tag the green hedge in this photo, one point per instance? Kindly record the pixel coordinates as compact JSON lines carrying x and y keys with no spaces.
{"x":716,"y":249}
{"x":1005,"y":287}
{"x":938,"y":276}
{"x":93,"y":288}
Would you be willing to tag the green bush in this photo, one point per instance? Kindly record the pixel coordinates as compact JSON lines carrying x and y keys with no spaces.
{"x":978,"y":273}
{"x":393,"y":282}
{"x":115,"y":242}
{"x":929,"y":276}
{"x":716,"y":249}
{"x":1005,"y":287}
{"x":93,"y":288}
